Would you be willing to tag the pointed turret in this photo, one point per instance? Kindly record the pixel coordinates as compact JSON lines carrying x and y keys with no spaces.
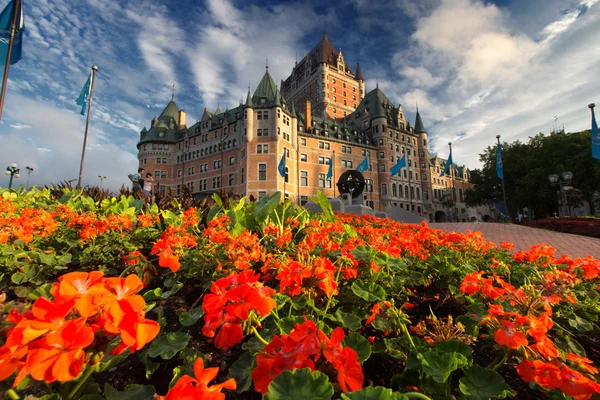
{"x":419,"y":124}
{"x":218,"y":110}
{"x":144,"y":130}
{"x":249,"y":99}
{"x":358,"y":76}
{"x":266,"y":92}
{"x":205,"y":115}
{"x":293,"y":110}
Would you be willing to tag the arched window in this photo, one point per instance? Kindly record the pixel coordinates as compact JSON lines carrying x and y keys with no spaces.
{"x":418,"y":194}
{"x":229,"y":144}
{"x":400,"y":191}
{"x":394,"y":190}
{"x":234,"y":142}
{"x":412,"y":193}
{"x":406,"y":191}
{"x":201,"y":152}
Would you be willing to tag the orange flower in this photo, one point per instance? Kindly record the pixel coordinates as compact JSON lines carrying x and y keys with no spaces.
{"x":583,"y":363}
{"x":190,"y":388}
{"x":546,"y":348}
{"x":169,"y":260}
{"x":510,"y":337}
{"x":576,"y":385}
{"x":83,"y":287}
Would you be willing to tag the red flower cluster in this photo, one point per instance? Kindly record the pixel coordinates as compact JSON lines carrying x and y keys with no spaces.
{"x":542,"y":254}
{"x":295,"y":277}
{"x":52,"y":341}
{"x":552,"y":375}
{"x":232,"y":301}
{"x":302,"y":348}
{"x":91,"y":226}
{"x":171,"y":245}
{"x":188,"y":388}
{"x":239,"y":250}
{"x":30,"y":223}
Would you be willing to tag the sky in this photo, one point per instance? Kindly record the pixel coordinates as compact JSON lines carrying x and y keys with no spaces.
{"x":475,"y":68}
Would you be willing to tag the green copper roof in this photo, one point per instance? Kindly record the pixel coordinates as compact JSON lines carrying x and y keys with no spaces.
{"x":419,"y":124}
{"x":266,"y":90}
{"x":170,"y":112}
{"x":249,"y":99}
{"x":217,"y":111}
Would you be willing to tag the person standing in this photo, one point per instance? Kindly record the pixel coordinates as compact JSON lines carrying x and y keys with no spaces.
{"x":137,"y":180}
{"x":147,"y":184}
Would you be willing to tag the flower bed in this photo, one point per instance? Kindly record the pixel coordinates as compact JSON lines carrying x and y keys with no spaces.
{"x":577,"y":226}
{"x":118,"y":299}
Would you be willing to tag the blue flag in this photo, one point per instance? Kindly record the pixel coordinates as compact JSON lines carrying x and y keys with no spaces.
{"x":399,"y":165}
{"x":595,"y":137}
{"x":84,"y":96}
{"x":448,"y":164}
{"x":499,"y":162}
{"x":281,"y":167}
{"x":330,"y":170}
{"x":364,"y":165}
{"x":6,"y":19}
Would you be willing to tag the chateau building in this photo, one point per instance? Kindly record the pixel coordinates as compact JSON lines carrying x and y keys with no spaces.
{"x":321,"y":115}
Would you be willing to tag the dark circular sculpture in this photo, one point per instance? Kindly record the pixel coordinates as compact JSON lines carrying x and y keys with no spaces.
{"x":352,"y":182}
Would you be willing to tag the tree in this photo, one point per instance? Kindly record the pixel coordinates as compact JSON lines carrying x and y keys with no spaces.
{"x":526,"y":168}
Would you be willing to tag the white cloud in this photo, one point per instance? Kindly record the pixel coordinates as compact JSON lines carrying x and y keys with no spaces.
{"x":420,"y":76}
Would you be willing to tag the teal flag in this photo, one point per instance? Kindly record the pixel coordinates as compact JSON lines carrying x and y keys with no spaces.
{"x":6,"y":19}
{"x":85,"y":94}
{"x":499,"y":171}
{"x":448,"y":164}
{"x":281,"y":167}
{"x":364,"y":165}
{"x":399,"y":165}
{"x":595,"y":137}
{"x":330,"y":170}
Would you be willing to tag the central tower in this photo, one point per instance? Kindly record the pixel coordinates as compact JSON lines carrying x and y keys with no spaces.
{"x":323,"y":78}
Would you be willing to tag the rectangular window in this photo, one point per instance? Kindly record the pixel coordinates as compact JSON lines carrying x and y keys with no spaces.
{"x":262,"y":172}
{"x":303,"y":157}
{"x":163,"y":174}
{"x":303,"y":200}
{"x":179,"y":173}
{"x":231,"y":161}
{"x":216,"y":182}
{"x":231,"y":179}
{"x":287,"y":175}
{"x":323,"y":181}
{"x":321,"y":160}
{"x":242,"y":176}
{"x":266,"y":114}
{"x":259,"y":132}
{"x":381,"y":167}
{"x":381,"y":154}
{"x":158,"y":160}
{"x":384,"y":189}
{"x":261,"y":195}
{"x":303,"y":141}
{"x":304,"y":178}
{"x":259,"y":115}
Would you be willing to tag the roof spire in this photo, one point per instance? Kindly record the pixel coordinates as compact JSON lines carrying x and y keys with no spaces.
{"x":358,"y":74}
{"x":173,"y":95}
{"x":267,"y":63}
{"x":419,"y":128}
{"x":377,"y":83}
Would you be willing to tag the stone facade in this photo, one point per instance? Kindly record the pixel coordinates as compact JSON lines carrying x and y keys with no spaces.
{"x":238,"y":151}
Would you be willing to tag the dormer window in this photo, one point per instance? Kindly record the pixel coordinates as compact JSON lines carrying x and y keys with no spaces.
{"x":161,"y":134}
{"x":221,"y":121}
{"x":263,"y":100}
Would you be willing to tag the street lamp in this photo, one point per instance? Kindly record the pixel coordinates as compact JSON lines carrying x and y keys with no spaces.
{"x":102,"y":178}
{"x":563,"y":182}
{"x":29,"y":171}
{"x":13,"y":171}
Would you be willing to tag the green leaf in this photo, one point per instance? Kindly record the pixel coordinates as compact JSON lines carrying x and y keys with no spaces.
{"x":158,"y":294}
{"x":360,"y":344}
{"x":454,"y":346}
{"x":394,"y":348}
{"x":189,"y":318}
{"x":50,"y":397}
{"x":265,"y":206}
{"x":300,"y":384}
{"x":440,"y":366}
{"x":22,"y":291}
{"x":483,"y":384}
{"x":241,"y":370}
{"x":346,"y":320}
{"x":582,"y":325}
{"x":166,"y":346}
{"x":131,"y":392}
{"x":374,"y":393}
{"x":368,"y":291}
{"x":288,"y":323}
{"x":41,"y":291}
{"x":47,"y":259}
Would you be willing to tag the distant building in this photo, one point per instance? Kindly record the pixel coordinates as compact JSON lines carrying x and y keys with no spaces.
{"x":323,"y":116}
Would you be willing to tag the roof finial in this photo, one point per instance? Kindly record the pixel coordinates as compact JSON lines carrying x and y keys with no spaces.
{"x":377,"y":83}
{"x":267,"y":63}
{"x":417,"y":103}
{"x":296,"y":57}
{"x":324,"y":29}
{"x":173,"y":95}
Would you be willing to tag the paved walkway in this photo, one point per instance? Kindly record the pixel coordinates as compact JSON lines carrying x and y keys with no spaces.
{"x":523,"y":237}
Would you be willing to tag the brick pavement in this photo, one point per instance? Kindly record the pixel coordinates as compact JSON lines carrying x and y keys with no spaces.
{"x":523,"y":237}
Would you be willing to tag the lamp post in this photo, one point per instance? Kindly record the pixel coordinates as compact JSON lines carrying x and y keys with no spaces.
{"x":29,"y":171}
{"x":102,"y":178}
{"x":13,"y":171}
{"x":563,"y":181}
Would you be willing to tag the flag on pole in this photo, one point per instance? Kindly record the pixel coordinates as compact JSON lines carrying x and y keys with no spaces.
{"x":364,"y":165}
{"x":330,"y":170}
{"x":281,"y":167}
{"x":6,"y":20}
{"x":84,"y":96}
{"x":399,"y":165}
{"x":448,"y":164}
{"x":499,"y":162}
{"x":595,"y":137}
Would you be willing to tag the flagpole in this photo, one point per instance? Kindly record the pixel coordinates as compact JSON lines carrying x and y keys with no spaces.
{"x":503,"y":189}
{"x":9,"y":54}
{"x":333,"y":173}
{"x":87,"y":125}
{"x":452,"y":181}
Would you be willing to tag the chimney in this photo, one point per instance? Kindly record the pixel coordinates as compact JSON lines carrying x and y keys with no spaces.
{"x":307,"y":114}
{"x":181,"y":119}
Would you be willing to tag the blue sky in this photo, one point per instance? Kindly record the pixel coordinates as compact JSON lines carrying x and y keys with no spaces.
{"x":475,"y":68}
